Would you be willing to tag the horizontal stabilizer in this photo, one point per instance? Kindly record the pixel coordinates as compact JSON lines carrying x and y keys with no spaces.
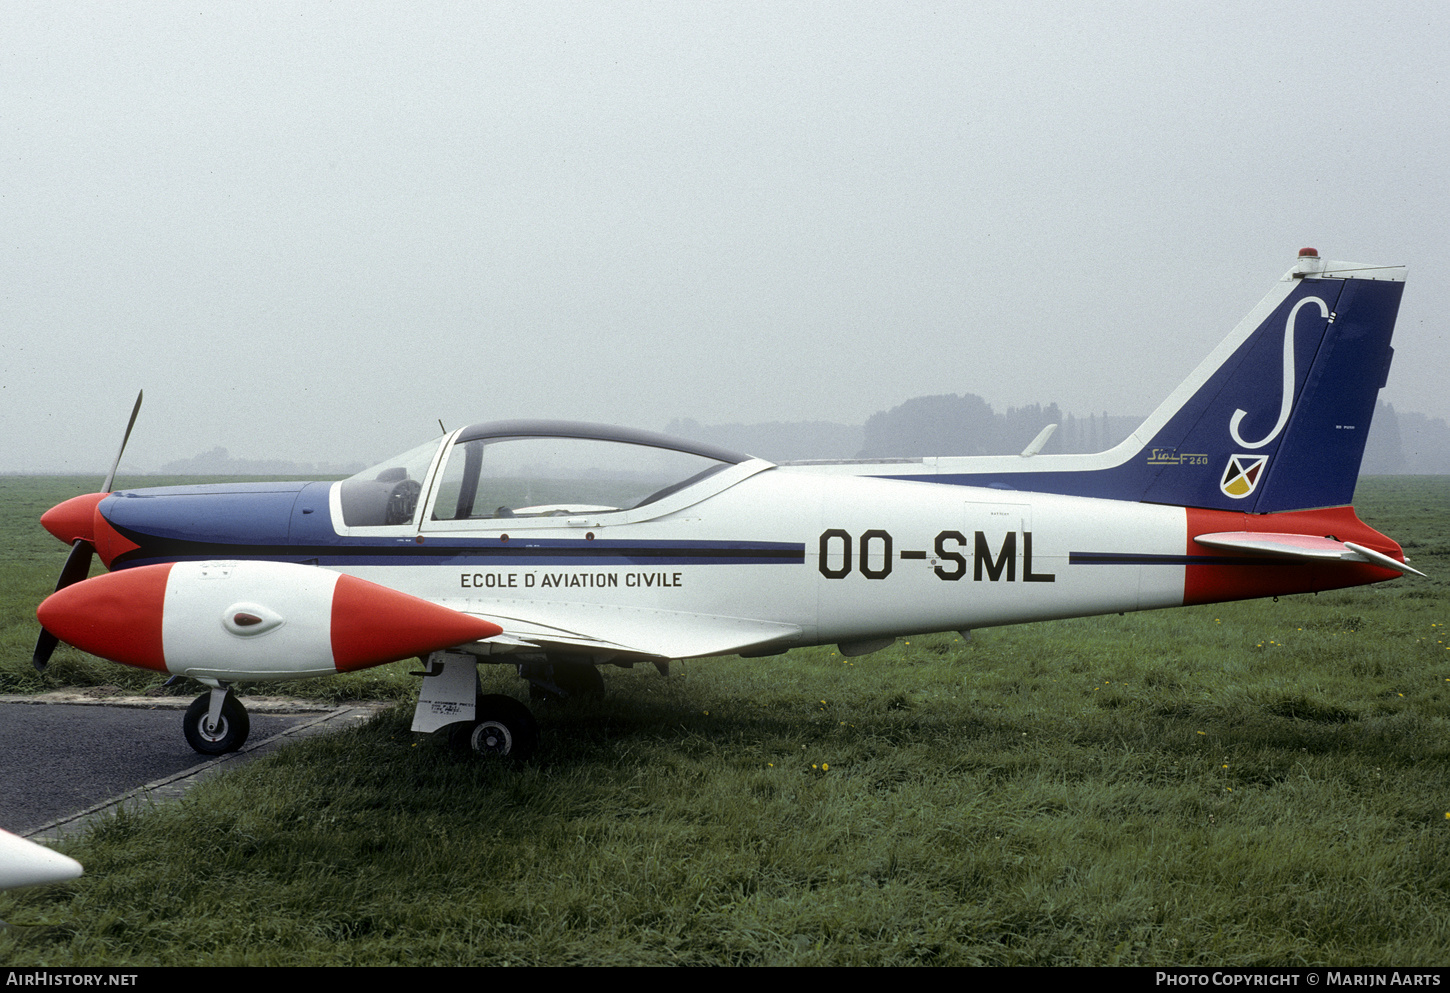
{"x":1302,"y":546}
{"x":1035,"y":445}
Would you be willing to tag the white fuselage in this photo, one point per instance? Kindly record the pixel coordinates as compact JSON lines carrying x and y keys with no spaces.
{"x":879,"y":557}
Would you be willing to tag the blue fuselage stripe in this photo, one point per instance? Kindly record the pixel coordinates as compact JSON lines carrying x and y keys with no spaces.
{"x":476,"y":552}
{"x":1124,"y":558}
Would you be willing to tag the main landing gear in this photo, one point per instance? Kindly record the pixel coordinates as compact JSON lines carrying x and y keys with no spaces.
{"x":502,"y":728}
{"x":216,"y":722}
{"x":451,"y":701}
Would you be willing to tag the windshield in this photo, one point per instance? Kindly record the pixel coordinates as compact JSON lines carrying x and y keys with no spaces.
{"x":387,"y":493}
{"x":553,"y":477}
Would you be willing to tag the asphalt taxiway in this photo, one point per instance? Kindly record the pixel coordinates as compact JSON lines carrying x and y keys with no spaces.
{"x":66,"y":757}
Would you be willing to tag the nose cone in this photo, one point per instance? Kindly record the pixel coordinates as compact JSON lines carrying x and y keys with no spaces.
{"x":75,"y":518}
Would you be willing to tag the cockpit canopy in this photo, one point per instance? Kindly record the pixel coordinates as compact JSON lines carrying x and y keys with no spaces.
{"x":528,"y":469}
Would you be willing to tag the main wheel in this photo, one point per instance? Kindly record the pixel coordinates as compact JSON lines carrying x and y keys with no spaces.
{"x":504,"y":728}
{"x":231,"y":729}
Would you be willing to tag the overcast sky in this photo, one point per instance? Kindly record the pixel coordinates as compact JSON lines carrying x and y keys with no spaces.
{"x":311,"y":230}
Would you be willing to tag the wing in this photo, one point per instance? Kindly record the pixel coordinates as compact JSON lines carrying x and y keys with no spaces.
{"x":615,"y":630}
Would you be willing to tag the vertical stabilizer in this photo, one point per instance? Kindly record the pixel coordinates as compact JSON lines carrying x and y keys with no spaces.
{"x":1282,"y":418}
{"x":1274,"y":419}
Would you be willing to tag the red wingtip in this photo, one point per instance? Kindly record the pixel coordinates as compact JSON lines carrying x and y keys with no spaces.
{"x":372,"y":624}
{"x":73,"y":518}
{"x":116,"y":616}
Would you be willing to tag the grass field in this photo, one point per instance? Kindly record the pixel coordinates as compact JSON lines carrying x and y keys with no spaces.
{"x":1253,"y":783}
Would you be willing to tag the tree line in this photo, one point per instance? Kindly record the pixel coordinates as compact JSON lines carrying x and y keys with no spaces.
{"x":965,"y":424}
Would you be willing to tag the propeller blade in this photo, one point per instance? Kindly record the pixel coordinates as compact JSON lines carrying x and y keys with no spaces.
{"x":78,"y":564}
{"x":44,"y":645}
{"x":77,"y":567}
{"x":111,"y":476}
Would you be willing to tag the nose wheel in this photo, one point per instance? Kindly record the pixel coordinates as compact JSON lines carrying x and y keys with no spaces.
{"x":216,"y":723}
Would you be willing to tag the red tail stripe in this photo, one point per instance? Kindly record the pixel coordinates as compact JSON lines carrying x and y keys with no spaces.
{"x":1216,"y":583}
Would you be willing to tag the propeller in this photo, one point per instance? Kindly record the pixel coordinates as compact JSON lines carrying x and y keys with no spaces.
{"x":78,"y":563}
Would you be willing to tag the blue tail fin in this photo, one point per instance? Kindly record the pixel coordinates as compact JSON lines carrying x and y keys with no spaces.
{"x":1284,"y":416}
{"x":1274,"y":419}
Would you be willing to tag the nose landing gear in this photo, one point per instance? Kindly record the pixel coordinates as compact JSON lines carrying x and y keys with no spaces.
{"x":216,"y":722}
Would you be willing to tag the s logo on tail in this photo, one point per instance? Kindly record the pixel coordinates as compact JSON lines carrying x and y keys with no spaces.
{"x":1286,"y":404}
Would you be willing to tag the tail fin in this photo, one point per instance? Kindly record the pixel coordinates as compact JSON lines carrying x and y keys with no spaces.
{"x":1274,"y":419}
{"x":1281,"y":410}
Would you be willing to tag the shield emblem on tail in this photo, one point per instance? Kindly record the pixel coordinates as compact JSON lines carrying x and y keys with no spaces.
{"x":1242,"y":474}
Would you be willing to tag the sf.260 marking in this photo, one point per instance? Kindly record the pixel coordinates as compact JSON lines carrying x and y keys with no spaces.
{"x":873,"y":556}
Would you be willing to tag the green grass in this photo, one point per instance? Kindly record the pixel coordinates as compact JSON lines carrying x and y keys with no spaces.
{"x":1242,"y":784}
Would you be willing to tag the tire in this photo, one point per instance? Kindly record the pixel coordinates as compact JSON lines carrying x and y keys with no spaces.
{"x":504,"y":728}
{"x":229,"y":734}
